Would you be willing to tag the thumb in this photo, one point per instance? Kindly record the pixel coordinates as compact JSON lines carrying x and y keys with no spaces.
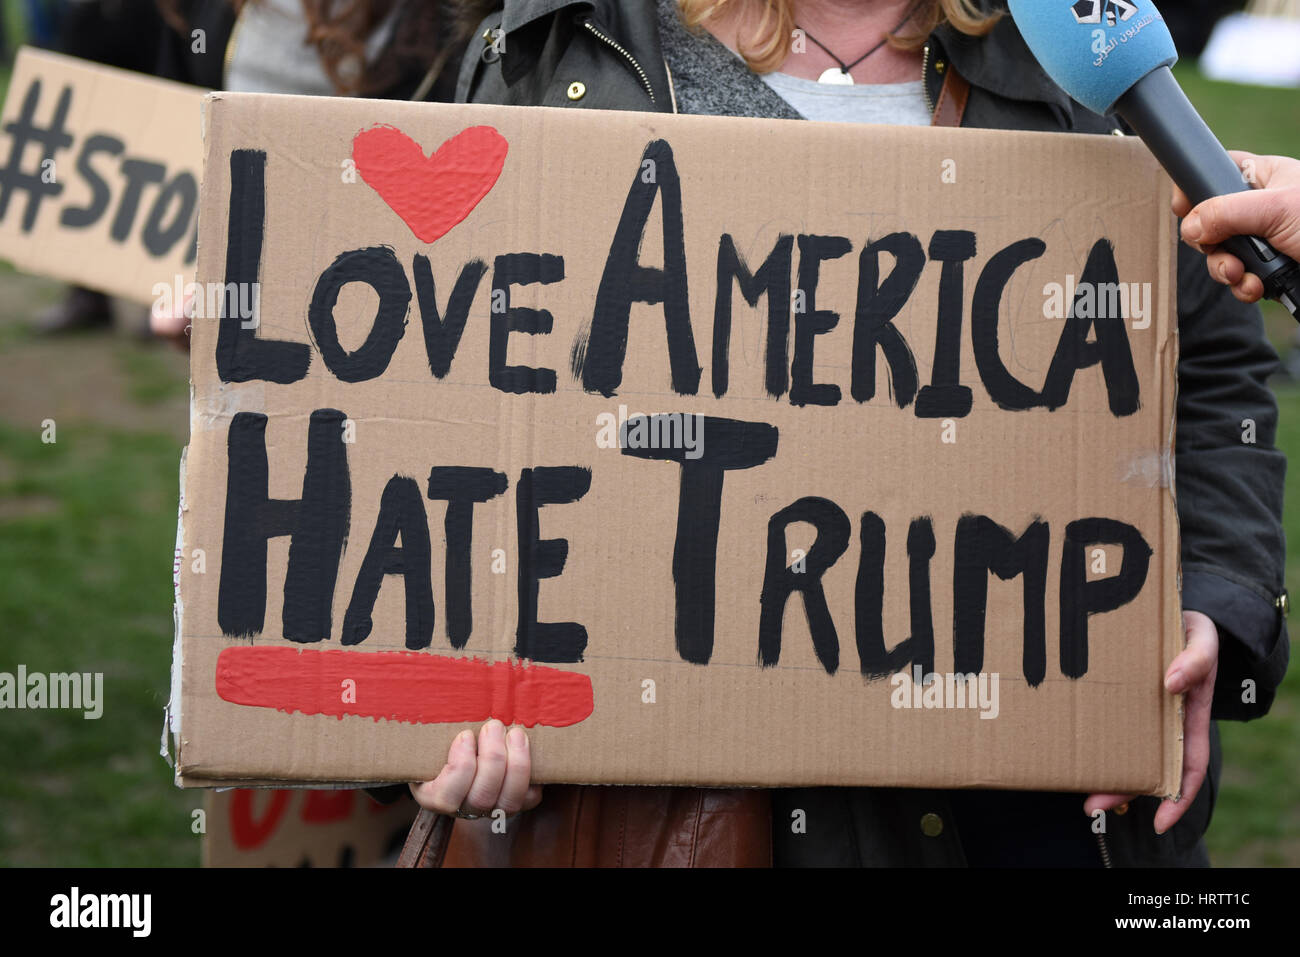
{"x":1197,"y":660}
{"x":1260,"y":212}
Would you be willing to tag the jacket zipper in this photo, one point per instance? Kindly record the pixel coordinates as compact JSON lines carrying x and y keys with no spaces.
{"x":1105,"y":851}
{"x":925,"y":78}
{"x":645,"y":80}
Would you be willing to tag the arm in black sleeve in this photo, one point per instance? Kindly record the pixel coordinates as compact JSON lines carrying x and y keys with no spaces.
{"x":1229,"y":483}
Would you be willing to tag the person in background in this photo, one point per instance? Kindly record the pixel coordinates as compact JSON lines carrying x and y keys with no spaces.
{"x":386,"y":49}
{"x":118,"y":33}
{"x":1191,"y":22}
{"x":42,"y":22}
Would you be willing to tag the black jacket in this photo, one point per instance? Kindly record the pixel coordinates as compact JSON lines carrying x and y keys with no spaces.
{"x":1229,"y":493}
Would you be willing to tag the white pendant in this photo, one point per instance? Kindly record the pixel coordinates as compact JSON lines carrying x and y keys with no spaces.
{"x":836,"y":77}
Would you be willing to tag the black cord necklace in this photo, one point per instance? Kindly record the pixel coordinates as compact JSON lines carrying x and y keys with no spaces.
{"x":840,"y":76}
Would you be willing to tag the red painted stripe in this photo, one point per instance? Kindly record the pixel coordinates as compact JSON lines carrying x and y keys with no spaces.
{"x":409,"y":686}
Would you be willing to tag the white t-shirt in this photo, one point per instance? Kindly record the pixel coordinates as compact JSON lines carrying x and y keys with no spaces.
{"x":897,"y":104}
{"x":271,"y":53}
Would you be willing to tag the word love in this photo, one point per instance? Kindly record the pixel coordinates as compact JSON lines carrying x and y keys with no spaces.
{"x":889,"y":270}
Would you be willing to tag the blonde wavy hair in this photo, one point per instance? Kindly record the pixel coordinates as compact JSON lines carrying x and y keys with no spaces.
{"x":768,"y":47}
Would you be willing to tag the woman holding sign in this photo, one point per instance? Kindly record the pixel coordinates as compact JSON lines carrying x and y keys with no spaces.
{"x":912,"y":62}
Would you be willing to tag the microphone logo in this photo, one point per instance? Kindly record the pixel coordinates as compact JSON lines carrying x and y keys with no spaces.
{"x":1114,"y":11}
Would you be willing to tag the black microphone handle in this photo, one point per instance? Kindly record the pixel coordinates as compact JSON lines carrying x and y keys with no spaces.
{"x":1157,"y":109}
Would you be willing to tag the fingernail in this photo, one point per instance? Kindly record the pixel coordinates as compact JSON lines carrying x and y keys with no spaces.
{"x":465,"y":737}
{"x":517,"y":740}
{"x":496,"y":729}
{"x":1192,"y":227}
{"x":1174,"y":682}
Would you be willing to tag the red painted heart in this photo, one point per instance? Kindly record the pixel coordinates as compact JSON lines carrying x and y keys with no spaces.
{"x":431,"y":193}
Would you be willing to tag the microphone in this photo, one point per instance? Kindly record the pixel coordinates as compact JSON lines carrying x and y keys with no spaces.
{"x":1113,"y":56}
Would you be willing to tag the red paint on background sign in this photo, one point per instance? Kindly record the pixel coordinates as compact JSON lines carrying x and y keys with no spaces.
{"x":412,"y":687}
{"x":247,"y":829}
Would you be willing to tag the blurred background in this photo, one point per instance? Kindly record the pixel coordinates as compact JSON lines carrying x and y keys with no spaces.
{"x":87,"y":524}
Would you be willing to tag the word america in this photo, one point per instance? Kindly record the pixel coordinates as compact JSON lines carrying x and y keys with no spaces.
{"x":1089,"y":336}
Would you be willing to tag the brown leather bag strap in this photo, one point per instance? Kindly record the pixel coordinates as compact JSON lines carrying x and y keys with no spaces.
{"x":952,"y":99}
{"x":426,"y":844}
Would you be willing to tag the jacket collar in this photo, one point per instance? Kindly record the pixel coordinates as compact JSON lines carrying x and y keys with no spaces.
{"x":999,"y":62}
{"x":523,"y":44}
{"x":520,"y":13}
{"x":1002,"y":64}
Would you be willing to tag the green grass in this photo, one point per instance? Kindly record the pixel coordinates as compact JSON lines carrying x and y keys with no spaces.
{"x":1257,"y":819}
{"x":150,"y":378}
{"x":85,"y":564}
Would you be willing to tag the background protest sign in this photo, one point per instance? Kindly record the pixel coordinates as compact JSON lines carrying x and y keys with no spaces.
{"x":280,"y":827}
{"x":99,"y":182}
{"x":685,"y":442}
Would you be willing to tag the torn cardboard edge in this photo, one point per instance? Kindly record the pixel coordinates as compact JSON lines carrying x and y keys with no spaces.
{"x":1174,"y":711}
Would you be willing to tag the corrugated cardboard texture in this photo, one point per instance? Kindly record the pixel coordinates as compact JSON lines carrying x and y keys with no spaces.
{"x":302,"y":828}
{"x":106,"y":163}
{"x":770,"y":712}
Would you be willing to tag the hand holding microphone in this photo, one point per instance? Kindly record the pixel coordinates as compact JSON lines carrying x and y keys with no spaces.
{"x":1113,"y":56}
{"x":1270,"y":211}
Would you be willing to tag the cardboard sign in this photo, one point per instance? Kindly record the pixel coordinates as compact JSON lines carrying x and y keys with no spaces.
{"x":247,"y":827}
{"x":689,"y":443}
{"x":99,"y":181}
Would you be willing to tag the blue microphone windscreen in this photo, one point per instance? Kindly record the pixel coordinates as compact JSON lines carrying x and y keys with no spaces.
{"x":1095,"y":50}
